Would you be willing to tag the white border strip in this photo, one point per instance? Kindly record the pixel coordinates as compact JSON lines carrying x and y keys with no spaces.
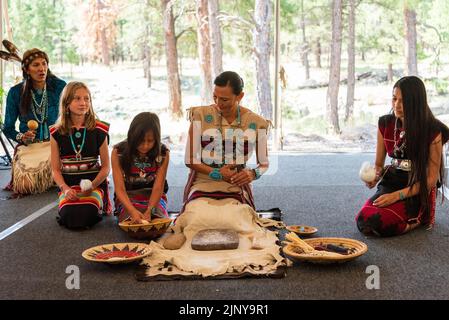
{"x":446,"y":192}
{"x":27,"y":220}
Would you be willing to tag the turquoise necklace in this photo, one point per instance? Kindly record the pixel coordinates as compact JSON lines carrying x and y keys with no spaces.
{"x":239,"y":122}
{"x":40,"y":112}
{"x":78,"y":151}
{"x":221,"y":119}
{"x":141,"y":164}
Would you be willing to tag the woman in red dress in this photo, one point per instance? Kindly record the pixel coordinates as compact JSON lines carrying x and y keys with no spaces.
{"x":406,"y":189}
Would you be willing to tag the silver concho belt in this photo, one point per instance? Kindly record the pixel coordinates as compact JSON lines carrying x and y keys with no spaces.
{"x":402,"y":164}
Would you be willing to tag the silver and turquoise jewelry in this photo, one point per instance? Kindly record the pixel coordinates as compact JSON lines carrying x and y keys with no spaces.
{"x":398,"y":149}
{"x":215,"y":174}
{"x":141,"y":164}
{"x":79,"y":147}
{"x":40,"y":112}
{"x":257,"y":173}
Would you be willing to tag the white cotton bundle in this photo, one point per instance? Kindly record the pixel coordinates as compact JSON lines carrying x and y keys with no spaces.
{"x":367,"y":172}
{"x":85,"y":184}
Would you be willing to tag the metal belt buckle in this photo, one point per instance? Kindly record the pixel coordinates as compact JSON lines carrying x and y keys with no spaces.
{"x":401,"y":164}
{"x":405,"y":165}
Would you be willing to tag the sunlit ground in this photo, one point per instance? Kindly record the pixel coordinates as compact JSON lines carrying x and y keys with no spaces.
{"x":120,"y":92}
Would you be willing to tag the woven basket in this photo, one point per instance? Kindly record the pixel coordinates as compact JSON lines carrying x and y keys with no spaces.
{"x":115,"y":253}
{"x":302,"y":230}
{"x":156,"y":228}
{"x":358,"y":247}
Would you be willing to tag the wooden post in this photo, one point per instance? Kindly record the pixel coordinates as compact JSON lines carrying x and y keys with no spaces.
{"x":1,"y":60}
{"x":277,"y":144}
{"x":7,"y":23}
{"x":9,"y":33}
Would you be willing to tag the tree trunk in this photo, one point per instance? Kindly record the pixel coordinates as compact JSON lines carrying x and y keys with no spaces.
{"x":204,"y":51}
{"x":146,"y":45}
{"x":103,"y":38}
{"x":390,"y":73}
{"x":318,"y":53}
{"x":390,"y":65}
{"x":171,"y":53}
{"x":305,"y":45}
{"x":215,"y":39}
{"x":411,"y":39}
{"x":104,"y":48}
{"x":147,"y":63}
{"x":62,"y":52}
{"x":334,"y":72}
{"x":261,"y":38}
{"x":351,"y":63}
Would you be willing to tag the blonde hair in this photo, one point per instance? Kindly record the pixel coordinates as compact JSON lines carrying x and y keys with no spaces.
{"x":64,"y":123}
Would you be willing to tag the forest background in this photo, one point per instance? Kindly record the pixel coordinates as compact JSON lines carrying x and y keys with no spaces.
{"x":338,"y":59}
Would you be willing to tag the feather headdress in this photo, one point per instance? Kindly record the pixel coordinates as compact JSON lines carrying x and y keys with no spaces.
{"x":12,"y":54}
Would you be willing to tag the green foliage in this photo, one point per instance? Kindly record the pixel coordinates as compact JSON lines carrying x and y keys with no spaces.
{"x":71,"y":56}
{"x":2,"y":92}
{"x":291,"y":113}
{"x":441,"y":86}
{"x":51,"y":26}
{"x":288,"y":112}
{"x":311,"y":124}
{"x":38,"y":24}
{"x":54,"y":26}
{"x":237,"y":25}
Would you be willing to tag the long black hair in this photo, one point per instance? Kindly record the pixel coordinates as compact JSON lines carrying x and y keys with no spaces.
{"x":25,"y":101}
{"x":140,"y":125}
{"x":232,"y":79}
{"x":420,"y":126}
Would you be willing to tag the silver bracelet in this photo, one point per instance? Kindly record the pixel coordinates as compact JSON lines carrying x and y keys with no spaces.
{"x":19,"y":137}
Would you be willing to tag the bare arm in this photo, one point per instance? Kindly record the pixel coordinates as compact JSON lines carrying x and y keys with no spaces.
{"x":433,"y":174}
{"x":193,"y":155}
{"x":56,"y":171}
{"x":158,"y":186}
{"x":119,"y":187}
{"x":381,"y":153}
{"x":262,"y":153}
{"x":105,"y":165}
{"x":56,"y":164}
{"x":247,"y":176}
{"x":193,"y":158}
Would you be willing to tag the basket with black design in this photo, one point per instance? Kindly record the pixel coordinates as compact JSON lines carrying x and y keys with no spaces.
{"x":151,"y":230}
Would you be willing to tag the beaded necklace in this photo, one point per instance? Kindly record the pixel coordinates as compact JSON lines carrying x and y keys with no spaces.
{"x":78,"y":151}
{"x":397,"y":148}
{"x":40,"y":112}
{"x":141,"y":164}
{"x":221,"y":119}
{"x":239,"y":121}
